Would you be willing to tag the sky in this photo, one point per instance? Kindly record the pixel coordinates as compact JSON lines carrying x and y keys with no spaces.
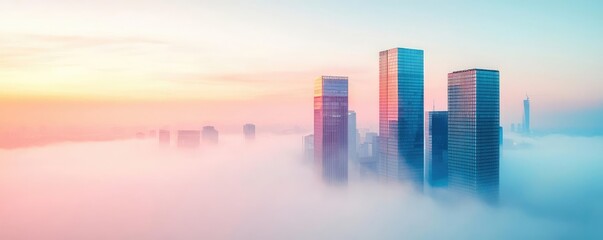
{"x":106,"y":64}
{"x":551,"y":188}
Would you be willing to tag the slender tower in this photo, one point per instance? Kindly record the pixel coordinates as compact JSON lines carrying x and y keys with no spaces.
{"x":331,"y":128}
{"x":526,"y":115}
{"x":401,"y":115}
{"x":352,"y":132}
{"x":473,"y":133}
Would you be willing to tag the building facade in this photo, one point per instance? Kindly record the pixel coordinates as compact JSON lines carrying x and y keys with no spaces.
{"x":473,"y":133}
{"x":401,"y":86}
{"x":436,"y":149}
{"x":331,"y":128}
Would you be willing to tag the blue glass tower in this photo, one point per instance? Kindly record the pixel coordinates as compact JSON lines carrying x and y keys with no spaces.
{"x":401,"y":115}
{"x":436,"y":149}
{"x":473,"y":133}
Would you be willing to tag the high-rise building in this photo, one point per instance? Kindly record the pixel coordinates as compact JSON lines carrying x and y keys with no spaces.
{"x":209,"y":135}
{"x":331,"y":128}
{"x":352,"y":133}
{"x":188,"y":139}
{"x":308,"y":147}
{"x":164,"y":137}
{"x":401,"y":81}
{"x":473,"y":133}
{"x":526,"y":115}
{"x":436,"y":149}
{"x":249,"y":131}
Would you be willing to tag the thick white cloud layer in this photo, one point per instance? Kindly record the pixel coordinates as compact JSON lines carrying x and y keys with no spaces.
{"x":550,"y":188}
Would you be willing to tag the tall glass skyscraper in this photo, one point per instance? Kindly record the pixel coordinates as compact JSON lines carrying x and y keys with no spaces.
{"x":526,"y":115}
{"x":401,"y":115}
{"x":473,"y":133}
{"x":331,"y":128}
{"x":436,"y":149}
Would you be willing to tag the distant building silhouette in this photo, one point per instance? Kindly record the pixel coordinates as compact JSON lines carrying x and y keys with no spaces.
{"x":526,"y":115}
{"x":473,"y":133}
{"x":308,"y":147}
{"x":436,"y":149}
{"x":188,"y":139}
{"x":368,"y":155}
{"x":164,"y":137}
{"x":249,"y":132}
{"x":352,"y":136}
{"x":369,"y":147}
{"x":331,"y":128}
{"x":401,"y":85}
{"x":209,"y":135}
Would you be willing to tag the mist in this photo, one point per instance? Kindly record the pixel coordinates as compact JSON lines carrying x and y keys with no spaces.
{"x":551,"y":187}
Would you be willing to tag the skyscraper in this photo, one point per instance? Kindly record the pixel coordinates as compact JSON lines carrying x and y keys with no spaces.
{"x":209,"y":135}
{"x":473,"y":133}
{"x":401,"y":115}
{"x":331,"y":128}
{"x":249,"y":131}
{"x":526,"y":115}
{"x":308,"y":147}
{"x":352,"y":132}
{"x":436,"y":149}
{"x":188,"y":139}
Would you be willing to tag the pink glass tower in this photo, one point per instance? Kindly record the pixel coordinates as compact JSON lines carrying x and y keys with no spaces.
{"x":331,"y":128}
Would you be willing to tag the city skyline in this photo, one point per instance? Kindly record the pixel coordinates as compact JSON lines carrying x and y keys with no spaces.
{"x":70,"y":69}
{"x":300,"y":119}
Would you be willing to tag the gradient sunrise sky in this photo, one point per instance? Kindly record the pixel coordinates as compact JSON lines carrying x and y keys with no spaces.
{"x":167,"y":63}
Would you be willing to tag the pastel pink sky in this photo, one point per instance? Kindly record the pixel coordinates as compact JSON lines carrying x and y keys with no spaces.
{"x":184,"y":63}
